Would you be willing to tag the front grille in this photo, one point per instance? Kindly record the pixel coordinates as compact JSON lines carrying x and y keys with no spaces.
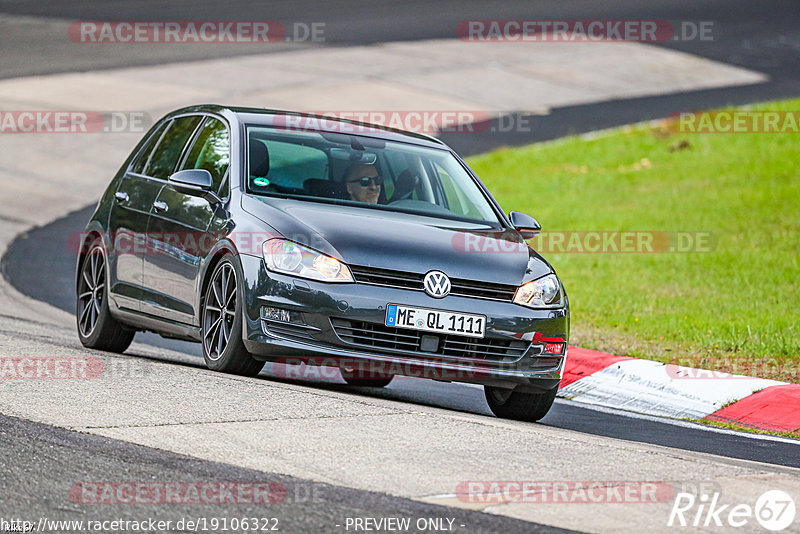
{"x":458,"y":286}
{"x":387,"y":278}
{"x":377,"y":336}
{"x":483,"y":290}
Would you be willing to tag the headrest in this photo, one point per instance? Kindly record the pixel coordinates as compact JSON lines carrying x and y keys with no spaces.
{"x":407,"y":182}
{"x":259,"y":158}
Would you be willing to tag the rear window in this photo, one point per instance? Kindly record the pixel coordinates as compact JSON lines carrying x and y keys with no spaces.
{"x":147,"y":149}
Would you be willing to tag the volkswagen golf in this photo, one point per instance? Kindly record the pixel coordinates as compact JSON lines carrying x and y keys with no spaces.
{"x":299,"y":239}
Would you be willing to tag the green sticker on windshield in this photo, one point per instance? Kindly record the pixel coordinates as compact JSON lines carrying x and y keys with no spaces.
{"x":261,"y":181}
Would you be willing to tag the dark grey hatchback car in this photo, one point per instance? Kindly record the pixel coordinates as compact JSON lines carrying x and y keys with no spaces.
{"x":298,"y":239}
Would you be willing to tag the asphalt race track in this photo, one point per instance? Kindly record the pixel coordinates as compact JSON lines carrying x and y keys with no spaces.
{"x":40,"y":461}
{"x":306,"y":506}
{"x":59,"y":262}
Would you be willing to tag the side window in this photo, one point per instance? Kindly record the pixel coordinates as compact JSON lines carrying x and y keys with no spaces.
{"x":457,"y":200}
{"x":211,"y":151}
{"x":165,"y":157}
{"x":144,"y":154}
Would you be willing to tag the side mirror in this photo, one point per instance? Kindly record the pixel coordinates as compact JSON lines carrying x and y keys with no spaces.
{"x":195,"y":182}
{"x":525,"y":224}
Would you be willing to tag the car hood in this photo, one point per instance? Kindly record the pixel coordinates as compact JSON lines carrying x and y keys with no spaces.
{"x":400,"y":241}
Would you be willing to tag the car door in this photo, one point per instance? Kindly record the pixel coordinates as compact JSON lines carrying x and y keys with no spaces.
{"x":178,"y":227}
{"x":127,"y":226}
{"x":160,"y":164}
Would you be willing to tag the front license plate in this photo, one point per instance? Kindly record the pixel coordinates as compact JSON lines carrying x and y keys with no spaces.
{"x":427,"y":320}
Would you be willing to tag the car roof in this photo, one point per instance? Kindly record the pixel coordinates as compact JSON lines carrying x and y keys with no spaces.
{"x":318,"y":123}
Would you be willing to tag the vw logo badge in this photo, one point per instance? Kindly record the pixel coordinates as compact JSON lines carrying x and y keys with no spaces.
{"x":437,"y":284}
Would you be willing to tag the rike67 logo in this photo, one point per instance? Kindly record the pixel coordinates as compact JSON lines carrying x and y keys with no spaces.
{"x":774,"y":510}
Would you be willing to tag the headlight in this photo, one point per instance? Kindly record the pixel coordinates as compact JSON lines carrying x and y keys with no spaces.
{"x":286,"y":257}
{"x":542,"y":293}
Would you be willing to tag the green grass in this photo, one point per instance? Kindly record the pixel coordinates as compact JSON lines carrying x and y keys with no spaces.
{"x":742,"y":428}
{"x":735,"y":308}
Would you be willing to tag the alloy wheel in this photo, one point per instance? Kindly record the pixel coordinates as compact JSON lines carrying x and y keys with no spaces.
{"x":220,"y":312}
{"x":91,"y":291}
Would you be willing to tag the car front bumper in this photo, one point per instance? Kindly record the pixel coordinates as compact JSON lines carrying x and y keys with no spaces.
{"x":338,"y":324}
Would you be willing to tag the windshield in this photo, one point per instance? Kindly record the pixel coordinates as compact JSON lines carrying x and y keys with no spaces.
{"x":373,"y":173}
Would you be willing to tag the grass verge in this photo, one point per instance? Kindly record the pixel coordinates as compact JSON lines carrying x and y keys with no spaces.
{"x":731,"y":300}
{"x":742,"y":428}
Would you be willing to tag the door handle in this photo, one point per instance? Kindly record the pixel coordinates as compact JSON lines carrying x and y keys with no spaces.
{"x":160,"y":205}
{"x":121,"y":196}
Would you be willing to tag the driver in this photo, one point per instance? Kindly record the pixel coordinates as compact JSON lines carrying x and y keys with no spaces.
{"x":363,"y":183}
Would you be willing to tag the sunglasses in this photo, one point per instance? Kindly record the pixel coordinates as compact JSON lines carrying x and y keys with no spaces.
{"x":367,"y":180}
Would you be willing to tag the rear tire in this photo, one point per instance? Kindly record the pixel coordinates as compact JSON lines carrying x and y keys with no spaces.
{"x":367,"y":379}
{"x":221,"y":321}
{"x":97,"y":329}
{"x":517,"y":405}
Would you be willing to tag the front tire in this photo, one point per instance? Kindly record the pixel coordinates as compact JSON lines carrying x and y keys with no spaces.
{"x":223,"y":348}
{"x":97,"y":329}
{"x":517,"y":405}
